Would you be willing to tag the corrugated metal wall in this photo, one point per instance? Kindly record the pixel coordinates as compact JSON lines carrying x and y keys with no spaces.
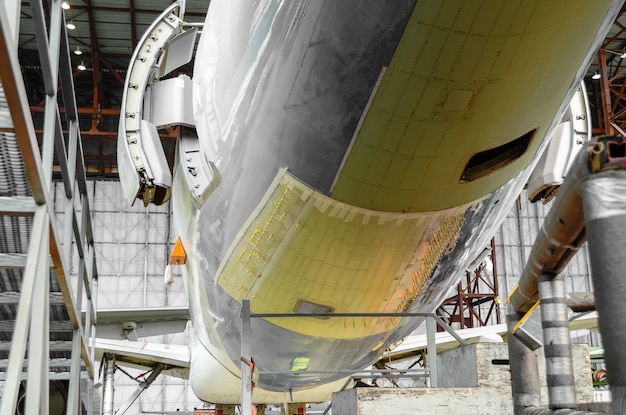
{"x":514,"y":241}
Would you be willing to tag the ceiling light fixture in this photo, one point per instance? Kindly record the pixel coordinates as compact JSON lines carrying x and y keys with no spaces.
{"x":65,"y":5}
{"x":82,"y":66}
{"x":70,"y":25}
{"x":77,"y":51}
{"x":596,"y":76}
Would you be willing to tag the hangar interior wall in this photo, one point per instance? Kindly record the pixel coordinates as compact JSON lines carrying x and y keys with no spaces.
{"x":132,"y":249}
{"x":133,"y":244}
{"x":514,"y":241}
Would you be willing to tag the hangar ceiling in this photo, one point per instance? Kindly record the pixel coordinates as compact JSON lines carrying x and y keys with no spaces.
{"x":106,"y":32}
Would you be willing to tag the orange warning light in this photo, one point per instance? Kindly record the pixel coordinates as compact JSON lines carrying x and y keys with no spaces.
{"x":178,"y":255}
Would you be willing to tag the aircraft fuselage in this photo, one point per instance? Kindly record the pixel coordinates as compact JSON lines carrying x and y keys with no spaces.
{"x":367,"y":152}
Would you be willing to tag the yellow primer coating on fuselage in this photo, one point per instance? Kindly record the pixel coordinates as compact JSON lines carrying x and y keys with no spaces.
{"x":348,"y":258}
{"x":466,"y":77}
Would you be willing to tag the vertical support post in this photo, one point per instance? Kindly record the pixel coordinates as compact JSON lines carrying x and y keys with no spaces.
{"x":51,"y":114}
{"x":67,"y":229}
{"x":93,"y":301}
{"x":524,"y":370}
{"x":91,"y":332}
{"x":557,"y":347}
{"x":107,"y":400}
{"x":605,"y":95}
{"x":90,"y":400}
{"x":80,"y":288}
{"x":69,"y":201}
{"x":246,"y":373}
{"x":496,"y":289}
{"x":37,"y":254}
{"x":38,"y":350}
{"x":431,"y":328}
{"x":604,"y":203}
{"x":73,"y":396}
{"x":13,"y":9}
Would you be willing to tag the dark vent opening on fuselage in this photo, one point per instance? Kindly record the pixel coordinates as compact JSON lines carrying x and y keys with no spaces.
{"x":306,"y":307}
{"x":485,"y":162}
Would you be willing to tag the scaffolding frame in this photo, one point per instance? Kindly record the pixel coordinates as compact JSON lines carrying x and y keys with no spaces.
{"x":476,"y":301}
{"x":52,"y":236}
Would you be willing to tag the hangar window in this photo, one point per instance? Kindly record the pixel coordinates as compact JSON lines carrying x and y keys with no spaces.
{"x":485,"y":162}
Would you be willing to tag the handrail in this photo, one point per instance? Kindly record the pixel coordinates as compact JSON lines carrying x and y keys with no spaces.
{"x":75,"y":228}
{"x":437,"y":318}
{"x":247,"y":315}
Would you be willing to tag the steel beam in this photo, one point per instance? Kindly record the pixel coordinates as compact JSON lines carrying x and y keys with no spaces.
{"x":56,"y":363}
{"x":32,"y":277}
{"x":605,"y":95}
{"x":13,"y":298}
{"x":33,"y":311}
{"x":17,"y":205}
{"x":23,"y":376}
{"x":109,"y":379}
{"x":39,"y":21}
{"x":73,"y":395}
{"x":55,"y":346}
{"x":55,"y":326}
{"x":142,"y":387}
{"x":12,"y":10}
{"x":39,"y":337}
{"x":17,"y":260}
{"x":15,"y":93}
{"x":431,"y":329}
{"x":246,"y":372}
{"x":475,"y":302}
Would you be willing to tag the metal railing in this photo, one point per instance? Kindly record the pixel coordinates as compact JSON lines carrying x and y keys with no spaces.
{"x":246,"y":315}
{"x":52,"y":236}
